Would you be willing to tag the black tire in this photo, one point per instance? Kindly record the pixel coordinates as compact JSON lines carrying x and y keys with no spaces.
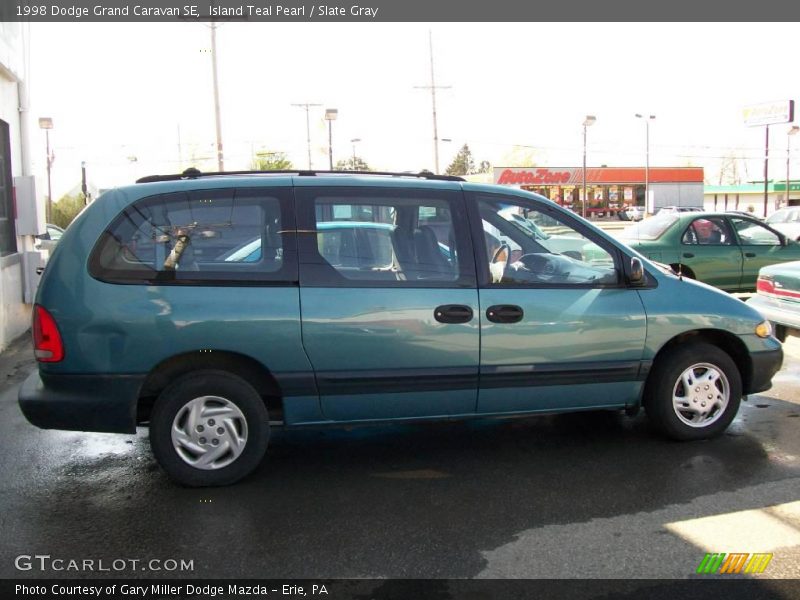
{"x":665,"y":379}
{"x":233,"y":390}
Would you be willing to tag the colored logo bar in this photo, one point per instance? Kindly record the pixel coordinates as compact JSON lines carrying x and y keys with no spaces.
{"x":733,"y":563}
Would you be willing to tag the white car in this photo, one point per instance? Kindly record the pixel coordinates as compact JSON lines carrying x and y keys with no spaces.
{"x":665,"y":210}
{"x":635,"y":213}
{"x":787,"y":221}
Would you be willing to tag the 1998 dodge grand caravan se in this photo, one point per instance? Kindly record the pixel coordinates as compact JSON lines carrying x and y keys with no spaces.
{"x":202,"y":303}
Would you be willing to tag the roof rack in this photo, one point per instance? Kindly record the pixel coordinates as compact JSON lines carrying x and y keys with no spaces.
{"x":193,"y":173}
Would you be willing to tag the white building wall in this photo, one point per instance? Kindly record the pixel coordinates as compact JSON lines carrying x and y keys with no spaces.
{"x":677,"y":194}
{"x":14,"y":313}
{"x":745,"y":201}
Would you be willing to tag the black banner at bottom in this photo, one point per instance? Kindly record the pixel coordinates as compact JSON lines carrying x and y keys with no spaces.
{"x":400,"y":589}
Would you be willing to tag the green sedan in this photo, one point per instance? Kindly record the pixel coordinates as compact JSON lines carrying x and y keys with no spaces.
{"x":723,"y":250}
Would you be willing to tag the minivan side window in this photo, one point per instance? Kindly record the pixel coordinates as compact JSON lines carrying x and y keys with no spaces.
{"x":530,"y":247}
{"x":382,"y":238}
{"x":197,"y":237}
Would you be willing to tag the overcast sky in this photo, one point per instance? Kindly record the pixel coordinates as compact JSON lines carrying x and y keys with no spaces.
{"x":119,"y":92}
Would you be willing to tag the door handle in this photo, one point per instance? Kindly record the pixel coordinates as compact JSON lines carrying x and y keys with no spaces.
{"x":453,"y":313}
{"x":505,"y":313}
{"x":750,"y":254}
{"x":688,"y":255}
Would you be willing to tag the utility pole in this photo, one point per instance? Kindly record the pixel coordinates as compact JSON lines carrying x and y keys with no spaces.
{"x":307,"y":106}
{"x":433,"y":87}
{"x":220,"y":162}
{"x":84,"y":188}
{"x":766,"y":171}
{"x":180,"y":150}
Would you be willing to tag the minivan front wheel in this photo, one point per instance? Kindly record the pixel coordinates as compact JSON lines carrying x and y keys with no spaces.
{"x":209,"y":428}
{"x":693,"y":392}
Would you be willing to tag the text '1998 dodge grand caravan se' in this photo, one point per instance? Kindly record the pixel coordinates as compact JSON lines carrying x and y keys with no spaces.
{"x":202,"y":303}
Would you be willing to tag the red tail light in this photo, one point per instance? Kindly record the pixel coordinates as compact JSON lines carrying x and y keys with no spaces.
{"x":765,"y":285}
{"x":47,"y":344}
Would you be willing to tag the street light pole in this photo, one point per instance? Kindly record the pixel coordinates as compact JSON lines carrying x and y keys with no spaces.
{"x":330,"y":117}
{"x":217,"y":119}
{"x":587,"y":122}
{"x":792,"y":131}
{"x":647,"y":159}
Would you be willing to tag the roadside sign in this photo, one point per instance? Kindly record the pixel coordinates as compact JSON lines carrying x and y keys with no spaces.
{"x":769,"y":113}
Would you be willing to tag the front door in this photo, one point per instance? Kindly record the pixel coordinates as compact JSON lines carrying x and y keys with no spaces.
{"x":761,"y":246}
{"x":559,"y":328}
{"x":709,"y":249}
{"x":389,"y":301}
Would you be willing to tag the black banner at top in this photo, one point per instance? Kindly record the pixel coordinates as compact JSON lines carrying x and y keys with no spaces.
{"x":333,"y":11}
{"x":734,"y":588}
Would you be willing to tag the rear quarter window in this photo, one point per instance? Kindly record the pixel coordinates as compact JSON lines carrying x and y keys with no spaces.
{"x":198,"y":237}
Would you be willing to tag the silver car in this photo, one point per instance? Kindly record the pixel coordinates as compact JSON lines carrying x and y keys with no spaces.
{"x":787,"y":221}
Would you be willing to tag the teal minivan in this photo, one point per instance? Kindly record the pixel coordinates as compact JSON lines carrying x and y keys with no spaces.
{"x":211,"y":307}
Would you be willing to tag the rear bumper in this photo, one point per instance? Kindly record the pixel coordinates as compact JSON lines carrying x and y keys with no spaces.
{"x":781,"y":313}
{"x":81,"y":402}
{"x":765,"y":365}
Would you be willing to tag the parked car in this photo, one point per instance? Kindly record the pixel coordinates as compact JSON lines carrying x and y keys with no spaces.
{"x":787,"y":221}
{"x":329,"y":237}
{"x":142,"y":318}
{"x":743,"y":213}
{"x":665,"y":210}
{"x":778,"y":297}
{"x":49,"y":239}
{"x":720,"y":249}
{"x":631,"y":213}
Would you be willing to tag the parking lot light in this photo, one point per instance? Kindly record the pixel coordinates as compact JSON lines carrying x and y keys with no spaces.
{"x":330,"y":117}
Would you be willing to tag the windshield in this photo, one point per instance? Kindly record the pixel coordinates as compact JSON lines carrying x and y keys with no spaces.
{"x":649,"y":229}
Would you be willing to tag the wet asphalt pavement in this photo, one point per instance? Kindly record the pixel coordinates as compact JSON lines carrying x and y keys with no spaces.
{"x":581,"y":495}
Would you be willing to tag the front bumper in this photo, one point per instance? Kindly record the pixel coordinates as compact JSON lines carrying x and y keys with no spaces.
{"x":81,"y":402}
{"x":764,"y":366}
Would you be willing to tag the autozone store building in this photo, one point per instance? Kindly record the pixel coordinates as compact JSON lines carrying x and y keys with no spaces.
{"x":608,"y":188}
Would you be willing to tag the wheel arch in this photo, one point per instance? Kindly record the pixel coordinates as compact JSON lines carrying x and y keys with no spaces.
{"x":724,"y":340}
{"x":684,"y":270}
{"x":246,"y":367}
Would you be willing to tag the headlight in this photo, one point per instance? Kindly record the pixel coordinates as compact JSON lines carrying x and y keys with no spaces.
{"x":764,"y":329}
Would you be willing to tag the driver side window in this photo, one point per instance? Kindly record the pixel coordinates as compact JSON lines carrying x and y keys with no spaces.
{"x":525,"y":245}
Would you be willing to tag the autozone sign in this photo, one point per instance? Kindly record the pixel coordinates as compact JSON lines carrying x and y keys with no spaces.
{"x":596,"y":175}
{"x":533,"y":177}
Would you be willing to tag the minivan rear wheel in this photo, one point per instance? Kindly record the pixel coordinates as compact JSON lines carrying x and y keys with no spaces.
{"x":693,"y":392}
{"x":209,"y":428}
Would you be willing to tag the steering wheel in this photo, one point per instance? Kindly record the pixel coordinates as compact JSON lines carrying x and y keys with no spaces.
{"x":545,"y":267}
{"x":499,"y":251}
{"x":495,"y":269}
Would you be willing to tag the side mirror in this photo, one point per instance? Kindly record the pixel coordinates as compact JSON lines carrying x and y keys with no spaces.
{"x":636,"y":275}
